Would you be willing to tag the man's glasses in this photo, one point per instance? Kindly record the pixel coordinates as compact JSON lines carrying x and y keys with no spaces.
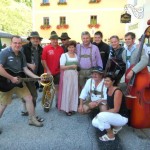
{"x":63,"y":39}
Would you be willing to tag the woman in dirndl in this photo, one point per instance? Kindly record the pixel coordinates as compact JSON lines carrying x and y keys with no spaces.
{"x":68,"y":87}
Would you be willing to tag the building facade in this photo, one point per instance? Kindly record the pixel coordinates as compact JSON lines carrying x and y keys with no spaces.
{"x":76,"y":16}
{"x":140,"y":15}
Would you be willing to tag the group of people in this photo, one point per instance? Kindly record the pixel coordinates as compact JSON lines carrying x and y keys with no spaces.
{"x":81,"y":75}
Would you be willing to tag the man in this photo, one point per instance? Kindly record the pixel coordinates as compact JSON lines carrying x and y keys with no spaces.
{"x":14,"y":60}
{"x":130,"y":55}
{"x":115,"y":63}
{"x":95,"y":90}
{"x":33,"y":52}
{"x":88,"y":57}
{"x":64,"y":39}
{"x":135,"y":63}
{"x":51,"y":58}
{"x":103,"y":47}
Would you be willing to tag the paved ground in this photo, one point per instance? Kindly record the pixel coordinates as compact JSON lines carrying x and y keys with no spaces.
{"x":61,"y":132}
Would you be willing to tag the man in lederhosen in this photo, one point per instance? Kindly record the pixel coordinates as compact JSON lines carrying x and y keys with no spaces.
{"x":88,"y":57}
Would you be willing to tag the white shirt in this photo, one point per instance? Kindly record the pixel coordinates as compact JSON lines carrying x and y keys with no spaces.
{"x":63,"y":59}
{"x":91,"y":86}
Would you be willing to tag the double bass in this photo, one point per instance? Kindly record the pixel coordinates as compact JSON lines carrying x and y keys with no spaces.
{"x":138,"y":92}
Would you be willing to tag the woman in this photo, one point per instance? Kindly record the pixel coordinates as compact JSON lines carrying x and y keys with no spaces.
{"x":116,"y":116}
{"x":68,"y":88}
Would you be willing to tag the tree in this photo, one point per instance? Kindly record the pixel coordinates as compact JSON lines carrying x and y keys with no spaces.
{"x":15,"y":17}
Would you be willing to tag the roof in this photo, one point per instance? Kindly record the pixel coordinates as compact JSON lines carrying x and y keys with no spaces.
{"x":5,"y":34}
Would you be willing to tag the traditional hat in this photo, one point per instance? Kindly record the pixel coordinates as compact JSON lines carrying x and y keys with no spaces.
{"x":98,"y":70}
{"x":34,"y":34}
{"x":54,"y":35}
{"x":64,"y":35}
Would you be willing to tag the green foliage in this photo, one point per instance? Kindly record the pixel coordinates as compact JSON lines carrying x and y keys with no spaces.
{"x":15,"y":17}
{"x":27,"y":2}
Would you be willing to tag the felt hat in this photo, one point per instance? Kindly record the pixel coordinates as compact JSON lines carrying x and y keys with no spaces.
{"x":64,"y":35}
{"x":34,"y":34}
{"x":54,"y":35}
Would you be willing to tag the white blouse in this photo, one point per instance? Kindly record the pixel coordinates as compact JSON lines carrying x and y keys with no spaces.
{"x":63,"y":59}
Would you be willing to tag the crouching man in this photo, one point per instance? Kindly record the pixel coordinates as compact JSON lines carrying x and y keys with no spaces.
{"x":93,"y":94}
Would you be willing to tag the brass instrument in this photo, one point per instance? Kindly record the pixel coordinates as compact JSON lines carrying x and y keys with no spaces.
{"x":48,"y":91}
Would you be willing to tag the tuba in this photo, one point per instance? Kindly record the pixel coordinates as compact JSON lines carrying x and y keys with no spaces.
{"x":48,"y":91}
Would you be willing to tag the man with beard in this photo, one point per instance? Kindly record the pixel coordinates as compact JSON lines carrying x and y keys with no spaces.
{"x":33,"y":52}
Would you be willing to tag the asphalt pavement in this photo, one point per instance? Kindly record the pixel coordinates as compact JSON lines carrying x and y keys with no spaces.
{"x":61,"y":132}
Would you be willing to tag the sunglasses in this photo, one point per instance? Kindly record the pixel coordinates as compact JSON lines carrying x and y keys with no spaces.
{"x":63,"y":39}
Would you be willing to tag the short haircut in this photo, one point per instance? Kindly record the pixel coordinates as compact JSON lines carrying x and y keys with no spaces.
{"x":133,"y":36}
{"x":112,"y":78}
{"x":99,"y":33}
{"x":16,"y":36}
{"x":71,"y":43}
{"x":114,"y":36}
{"x":85,"y":33}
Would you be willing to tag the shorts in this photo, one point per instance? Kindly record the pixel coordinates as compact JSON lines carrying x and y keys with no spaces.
{"x":6,"y":97}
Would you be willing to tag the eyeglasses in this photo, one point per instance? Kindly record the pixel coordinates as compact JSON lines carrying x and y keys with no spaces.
{"x":63,"y":39}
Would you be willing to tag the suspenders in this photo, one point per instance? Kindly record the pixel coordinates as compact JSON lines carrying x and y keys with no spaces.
{"x":97,"y":92}
{"x":86,"y":56}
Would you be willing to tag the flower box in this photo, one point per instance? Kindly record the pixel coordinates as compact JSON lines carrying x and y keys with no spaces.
{"x":45,"y":4}
{"x":62,"y":3}
{"x":93,"y":25}
{"x":96,"y":1}
{"x":45,"y":27}
{"x":64,"y":26}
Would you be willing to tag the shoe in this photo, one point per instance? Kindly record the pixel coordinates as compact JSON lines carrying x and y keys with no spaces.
{"x":39,"y":119}
{"x":68,"y":113}
{"x":116,"y":130}
{"x":105,"y":138}
{"x":34,"y":122}
{"x":24,"y":113}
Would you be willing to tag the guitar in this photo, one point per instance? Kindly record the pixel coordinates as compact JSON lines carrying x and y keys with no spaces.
{"x":6,"y":84}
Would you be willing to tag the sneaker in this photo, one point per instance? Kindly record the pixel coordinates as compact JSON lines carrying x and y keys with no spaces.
{"x":34,"y":122}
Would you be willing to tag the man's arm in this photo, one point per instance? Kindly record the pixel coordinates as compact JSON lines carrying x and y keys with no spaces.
{"x":98,"y":57}
{"x":29,"y":73}
{"x":45,"y":66}
{"x":142,"y":63}
{"x":4,"y":73}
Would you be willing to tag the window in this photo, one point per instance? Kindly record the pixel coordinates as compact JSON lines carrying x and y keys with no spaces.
{"x":93,"y":20}
{"x":46,"y":21}
{"x":62,"y":20}
{"x":45,"y":1}
{"x":62,"y":1}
